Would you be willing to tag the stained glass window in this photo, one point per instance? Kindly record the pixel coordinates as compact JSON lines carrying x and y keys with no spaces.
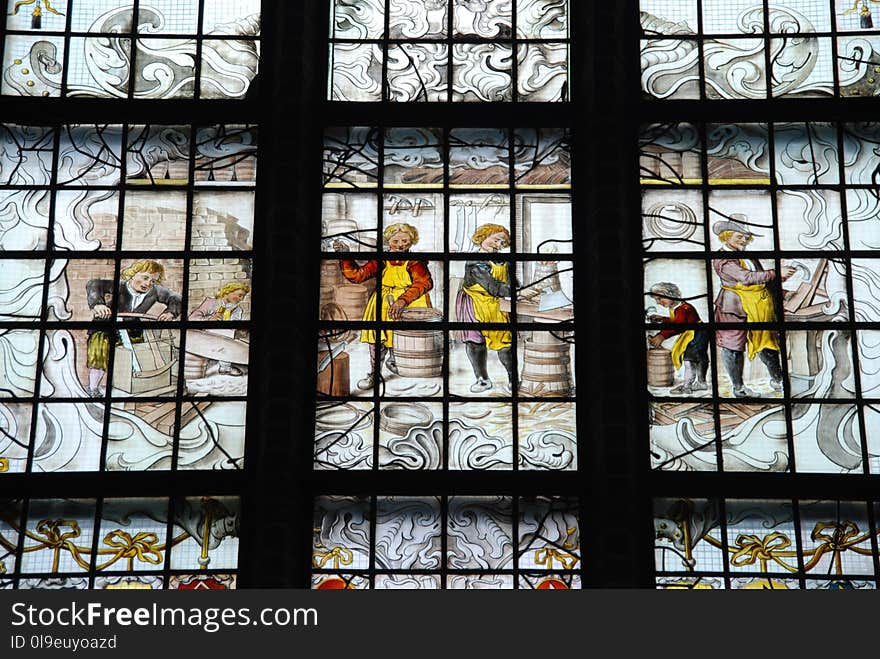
{"x":439,"y":50}
{"x":124,"y":296}
{"x":446,"y":324}
{"x":760,"y":296}
{"x":732,"y":49}
{"x":118,"y":49}
{"x":773,"y":544}
{"x":119,"y":543}
{"x":463,"y":357}
{"x":450,"y":542}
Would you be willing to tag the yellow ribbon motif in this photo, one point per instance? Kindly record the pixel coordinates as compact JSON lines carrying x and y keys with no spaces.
{"x":339,"y":556}
{"x":751,"y":548}
{"x":855,"y":6}
{"x":24,"y":3}
{"x":546,"y":555}
{"x":57,"y":541}
{"x":54,"y":538}
{"x":143,"y":547}
{"x":844,"y":536}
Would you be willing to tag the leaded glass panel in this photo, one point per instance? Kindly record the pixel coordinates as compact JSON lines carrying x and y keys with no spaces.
{"x":136,"y":360}
{"x":172,"y":49}
{"x":121,"y":543}
{"x":440,"y":50}
{"x":754,"y":299}
{"x":778,"y":544}
{"x":718,"y":49}
{"x":469,"y":341}
{"x":462,"y":542}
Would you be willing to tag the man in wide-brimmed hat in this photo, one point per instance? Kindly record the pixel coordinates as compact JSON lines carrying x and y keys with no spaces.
{"x":745,"y":298}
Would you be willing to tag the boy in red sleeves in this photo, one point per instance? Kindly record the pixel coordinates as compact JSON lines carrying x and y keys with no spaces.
{"x":691,"y":349}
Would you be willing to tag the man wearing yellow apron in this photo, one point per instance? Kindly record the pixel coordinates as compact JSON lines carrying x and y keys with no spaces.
{"x":485,"y":282}
{"x":745,"y":298}
{"x":404,"y":283}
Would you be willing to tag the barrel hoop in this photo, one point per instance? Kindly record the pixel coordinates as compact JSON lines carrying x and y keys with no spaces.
{"x":545,"y":347}
{"x":548,"y":361}
{"x":542,"y":377}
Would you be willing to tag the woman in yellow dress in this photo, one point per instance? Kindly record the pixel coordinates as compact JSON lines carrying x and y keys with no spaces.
{"x":405,"y":283}
{"x":479,"y":299}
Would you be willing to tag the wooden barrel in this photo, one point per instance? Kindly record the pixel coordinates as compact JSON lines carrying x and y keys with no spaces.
{"x":660,"y":370}
{"x":331,"y":279}
{"x":419,"y":352}
{"x":353,"y":299}
{"x":546,"y":366}
{"x":194,"y":367}
{"x":327,"y":296}
{"x":331,"y":274}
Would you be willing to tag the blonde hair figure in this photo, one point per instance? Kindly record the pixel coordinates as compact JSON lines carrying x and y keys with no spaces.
{"x":148,"y":266}
{"x":224,"y":305}
{"x":485,"y":282}
{"x":401,"y":227}
{"x":230,"y":287}
{"x":403,"y":283}
{"x":137,"y":291}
